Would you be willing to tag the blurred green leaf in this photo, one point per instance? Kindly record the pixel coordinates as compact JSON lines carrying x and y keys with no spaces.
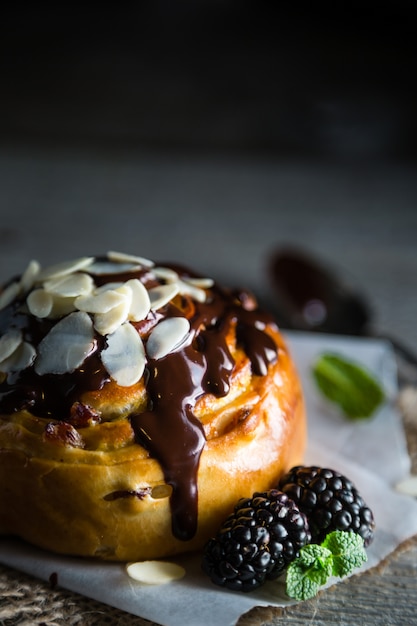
{"x":349,"y":385}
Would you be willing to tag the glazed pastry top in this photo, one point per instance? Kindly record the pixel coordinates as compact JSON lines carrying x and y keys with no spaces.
{"x":118,"y":338}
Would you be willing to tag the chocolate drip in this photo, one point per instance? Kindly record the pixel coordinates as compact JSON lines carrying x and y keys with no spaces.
{"x":168,"y":429}
{"x":259,"y":347}
{"x":173,"y":435}
{"x":218,"y":365}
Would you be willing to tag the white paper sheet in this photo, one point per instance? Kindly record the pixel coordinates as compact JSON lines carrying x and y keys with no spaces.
{"x":372,"y":453}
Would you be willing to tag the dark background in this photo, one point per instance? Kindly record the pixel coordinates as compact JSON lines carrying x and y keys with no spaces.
{"x":213,"y":133}
{"x":230,"y":77}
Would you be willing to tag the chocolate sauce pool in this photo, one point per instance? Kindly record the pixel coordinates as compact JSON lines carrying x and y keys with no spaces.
{"x":168,"y":429}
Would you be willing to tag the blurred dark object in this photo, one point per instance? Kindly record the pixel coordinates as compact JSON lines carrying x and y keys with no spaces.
{"x":236,"y":77}
{"x":310,"y":297}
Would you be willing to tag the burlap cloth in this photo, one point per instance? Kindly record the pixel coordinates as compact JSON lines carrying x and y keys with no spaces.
{"x":26,"y":601}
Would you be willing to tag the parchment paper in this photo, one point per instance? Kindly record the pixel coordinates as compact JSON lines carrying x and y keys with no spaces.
{"x":372,"y":453}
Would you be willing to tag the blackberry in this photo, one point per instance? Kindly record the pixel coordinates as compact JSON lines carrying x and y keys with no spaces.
{"x":256,"y":542}
{"x":330,"y":502}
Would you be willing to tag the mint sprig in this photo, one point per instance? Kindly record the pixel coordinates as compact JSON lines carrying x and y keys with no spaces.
{"x":347,"y":550}
{"x":349,"y":385}
{"x":309,"y":572}
{"x":338,"y":555}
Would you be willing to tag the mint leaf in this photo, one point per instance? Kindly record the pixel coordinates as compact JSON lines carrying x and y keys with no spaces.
{"x":317,"y":559}
{"x":309,"y":572}
{"x":347,"y":550}
{"x":347,"y":384}
{"x":338,"y":555}
{"x":300,"y":585}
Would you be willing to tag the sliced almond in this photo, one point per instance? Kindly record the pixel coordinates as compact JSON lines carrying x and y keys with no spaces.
{"x":8,"y":294}
{"x":101,"y":302}
{"x":66,"y":346}
{"x":121,"y":257}
{"x":106,"y":323}
{"x":202,"y":282}
{"x":61,"y":306}
{"x":124,"y":356}
{"x":9,"y":343}
{"x":24,"y":356}
{"x":155,"y":572}
{"x":407,"y":402}
{"x":40,"y":303}
{"x":108,"y":287}
{"x":188,"y":289}
{"x":29,"y":276}
{"x":67,"y":267}
{"x":140,"y":304}
{"x":408,"y":486}
{"x":103,"y":268}
{"x":72,"y":285}
{"x":20,"y":359}
{"x":167,"y":336}
{"x":165,"y":273}
{"x":161,"y":295}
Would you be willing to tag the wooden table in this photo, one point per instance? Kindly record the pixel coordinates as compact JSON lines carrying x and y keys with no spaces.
{"x":223,"y":217}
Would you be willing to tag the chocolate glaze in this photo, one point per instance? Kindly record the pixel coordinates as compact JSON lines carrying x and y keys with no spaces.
{"x":168,"y":429}
{"x":52,"y":395}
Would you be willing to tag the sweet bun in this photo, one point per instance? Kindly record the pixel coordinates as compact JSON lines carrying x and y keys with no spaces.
{"x":138,"y":403}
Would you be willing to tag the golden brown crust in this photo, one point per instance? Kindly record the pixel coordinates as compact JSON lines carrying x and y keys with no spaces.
{"x":94,"y":491}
